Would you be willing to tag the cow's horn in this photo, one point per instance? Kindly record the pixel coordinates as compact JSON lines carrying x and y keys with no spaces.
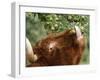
{"x":78,"y":32}
{"x":30,"y":56}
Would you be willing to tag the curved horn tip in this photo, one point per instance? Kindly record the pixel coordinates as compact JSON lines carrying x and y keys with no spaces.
{"x":31,"y":57}
{"x":78,"y":32}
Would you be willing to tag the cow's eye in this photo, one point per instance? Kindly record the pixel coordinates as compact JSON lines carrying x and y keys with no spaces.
{"x":50,"y":49}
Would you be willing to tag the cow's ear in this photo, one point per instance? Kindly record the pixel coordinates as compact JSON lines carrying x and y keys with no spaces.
{"x":72,"y":31}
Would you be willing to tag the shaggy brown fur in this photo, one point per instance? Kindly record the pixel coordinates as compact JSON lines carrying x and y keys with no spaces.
{"x":62,"y":49}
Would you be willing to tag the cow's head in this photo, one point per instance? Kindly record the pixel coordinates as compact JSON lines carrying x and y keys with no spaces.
{"x":60,"y":49}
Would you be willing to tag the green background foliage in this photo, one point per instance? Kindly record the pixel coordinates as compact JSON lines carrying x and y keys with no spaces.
{"x":39,"y":25}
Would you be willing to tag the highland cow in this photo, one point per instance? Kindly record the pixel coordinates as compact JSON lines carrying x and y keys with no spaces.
{"x":65,"y":48}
